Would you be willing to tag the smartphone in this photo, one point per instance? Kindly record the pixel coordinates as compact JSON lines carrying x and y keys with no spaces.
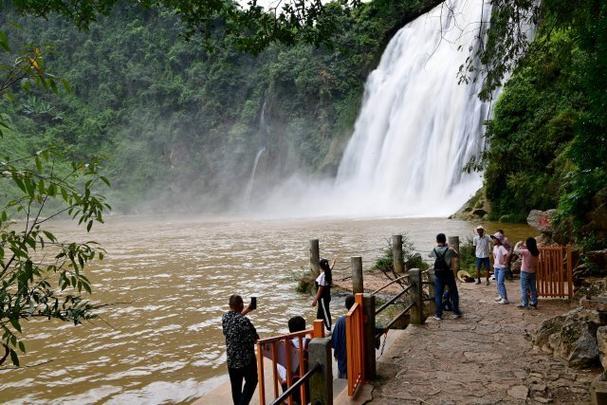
{"x":253,"y":302}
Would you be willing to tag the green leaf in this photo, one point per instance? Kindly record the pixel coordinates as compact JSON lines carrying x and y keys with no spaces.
{"x":49,"y":236}
{"x":38,"y":163}
{"x":14,"y":358}
{"x":22,"y":347}
{"x":4,"y":41}
{"x":105,"y":180}
{"x":15,"y":323}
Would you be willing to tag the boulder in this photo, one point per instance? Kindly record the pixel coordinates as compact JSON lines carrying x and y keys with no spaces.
{"x":541,"y":220}
{"x":571,"y":337}
{"x":601,"y":339}
{"x":598,"y":258}
{"x":584,"y":351}
{"x":479,"y":212}
{"x":590,"y":286}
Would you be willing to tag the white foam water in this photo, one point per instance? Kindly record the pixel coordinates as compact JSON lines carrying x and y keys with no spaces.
{"x":417,"y":128}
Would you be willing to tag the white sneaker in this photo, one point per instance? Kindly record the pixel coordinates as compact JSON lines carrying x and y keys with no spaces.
{"x":498,"y":298}
{"x":503,"y":301}
{"x":437,"y":318}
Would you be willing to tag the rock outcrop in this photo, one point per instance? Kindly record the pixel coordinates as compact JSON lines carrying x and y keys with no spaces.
{"x":571,"y":337}
{"x":475,"y":209}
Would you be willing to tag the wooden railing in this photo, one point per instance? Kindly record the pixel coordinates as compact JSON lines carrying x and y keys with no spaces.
{"x":355,"y":345}
{"x":360,"y":320}
{"x":282,"y":350}
{"x":555,"y":272}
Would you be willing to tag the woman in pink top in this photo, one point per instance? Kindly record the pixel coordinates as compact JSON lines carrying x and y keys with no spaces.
{"x":529,"y":254}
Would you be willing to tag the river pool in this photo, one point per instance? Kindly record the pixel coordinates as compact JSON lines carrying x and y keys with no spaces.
{"x":170,"y":279}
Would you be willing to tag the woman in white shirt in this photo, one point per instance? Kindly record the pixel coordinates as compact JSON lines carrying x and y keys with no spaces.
{"x":323,"y":293}
{"x":500,"y":260}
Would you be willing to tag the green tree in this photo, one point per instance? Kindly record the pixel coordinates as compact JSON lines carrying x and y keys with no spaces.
{"x":40,"y":274}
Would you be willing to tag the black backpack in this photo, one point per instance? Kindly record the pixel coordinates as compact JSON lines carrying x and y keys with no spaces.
{"x":440,"y":264}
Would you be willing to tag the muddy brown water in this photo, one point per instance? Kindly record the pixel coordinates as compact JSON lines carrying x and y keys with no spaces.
{"x":170,"y":279}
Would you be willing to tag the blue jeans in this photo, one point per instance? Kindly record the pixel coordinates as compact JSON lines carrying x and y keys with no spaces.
{"x":440,"y":282}
{"x":528,"y":285}
{"x":482,"y":262}
{"x":500,"y":275}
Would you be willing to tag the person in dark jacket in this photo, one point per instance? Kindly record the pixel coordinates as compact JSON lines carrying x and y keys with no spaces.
{"x":443,"y":277}
{"x":241,"y":337}
{"x":338,"y":340}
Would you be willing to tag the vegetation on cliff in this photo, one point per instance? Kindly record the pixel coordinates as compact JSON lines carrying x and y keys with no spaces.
{"x":178,"y":125}
{"x":548,"y":145}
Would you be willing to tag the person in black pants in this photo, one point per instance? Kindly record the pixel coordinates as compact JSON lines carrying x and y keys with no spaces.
{"x":323,"y":292}
{"x":241,"y":337}
{"x":443,"y":277}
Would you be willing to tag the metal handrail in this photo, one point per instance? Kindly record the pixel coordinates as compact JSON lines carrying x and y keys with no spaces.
{"x":397,"y":296}
{"x":301,"y":333}
{"x":396,"y":318}
{"x":389,"y":284}
{"x":302,"y":380}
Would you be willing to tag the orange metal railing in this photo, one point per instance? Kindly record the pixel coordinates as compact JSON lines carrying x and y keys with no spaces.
{"x":555,"y":272}
{"x":355,"y":345}
{"x":282,"y":350}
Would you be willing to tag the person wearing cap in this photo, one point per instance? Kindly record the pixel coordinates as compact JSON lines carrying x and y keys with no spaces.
{"x":482,"y":248}
{"x":508,"y":246}
{"x":500,"y":258}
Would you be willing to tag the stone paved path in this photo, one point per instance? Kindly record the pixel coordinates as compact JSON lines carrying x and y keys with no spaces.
{"x":486,"y":357}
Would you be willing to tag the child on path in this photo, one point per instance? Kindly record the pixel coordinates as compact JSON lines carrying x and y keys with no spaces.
{"x":443,"y":277}
{"x":482,"y":244}
{"x":500,"y":258}
{"x":529,"y":256}
{"x":296,"y":324}
{"x":323,"y":293}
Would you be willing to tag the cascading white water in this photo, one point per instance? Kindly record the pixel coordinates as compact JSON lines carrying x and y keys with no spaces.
{"x":417,"y":127}
{"x":249,"y":189}
{"x":416,"y":130}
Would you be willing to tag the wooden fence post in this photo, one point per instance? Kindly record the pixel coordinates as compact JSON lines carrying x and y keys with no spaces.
{"x":318,"y":328}
{"x":357,"y":274}
{"x":369,"y":316}
{"x":321,"y":382}
{"x":417,"y":298}
{"x":454,"y":243}
{"x":397,"y":254}
{"x":314,"y":257}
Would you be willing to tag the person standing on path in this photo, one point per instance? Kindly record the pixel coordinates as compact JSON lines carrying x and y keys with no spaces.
{"x":500,"y":258}
{"x":323,"y":292}
{"x":482,"y":244}
{"x":508,"y":246}
{"x":241,"y":337}
{"x":443,"y":277}
{"x":530,"y":255}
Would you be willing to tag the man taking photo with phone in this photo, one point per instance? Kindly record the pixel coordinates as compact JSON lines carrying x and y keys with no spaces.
{"x":241,"y":337}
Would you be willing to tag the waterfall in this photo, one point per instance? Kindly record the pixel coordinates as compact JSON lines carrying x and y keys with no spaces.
{"x":416,"y":130}
{"x":417,"y":127}
{"x":249,"y":189}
